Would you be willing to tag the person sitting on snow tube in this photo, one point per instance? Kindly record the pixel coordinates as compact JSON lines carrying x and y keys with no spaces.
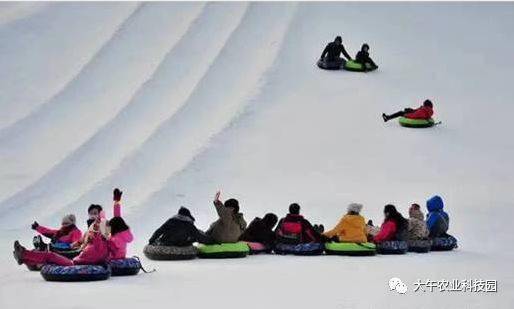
{"x":95,"y":253}
{"x":174,"y":239}
{"x":424,"y":112}
{"x":330,"y":57}
{"x":259,"y":235}
{"x":391,"y":239}
{"x":351,"y":227}
{"x":349,"y":235}
{"x":63,"y":237}
{"x":418,"y":231}
{"x":438,"y":223}
{"x":296,"y":235}
{"x":230,"y":224}
{"x":364,"y":59}
{"x":118,"y":240}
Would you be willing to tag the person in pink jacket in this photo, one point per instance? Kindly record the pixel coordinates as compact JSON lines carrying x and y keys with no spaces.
{"x":67,"y":234}
{"x":120,"y":235}
{"x":98,"y":248}
{"x":96,"y":251}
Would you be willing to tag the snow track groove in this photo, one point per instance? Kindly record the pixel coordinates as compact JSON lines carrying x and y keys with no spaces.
{"x":106,"y":85}
{"x":157,"y":100}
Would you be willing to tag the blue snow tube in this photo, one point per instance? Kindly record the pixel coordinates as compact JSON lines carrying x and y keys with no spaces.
{"x":64,"y":250}
{"x":300,"y":249}
{"x":392,"y":247}
{"x":125,"y":267}
{"x":75,"y":273}
{"x":420,"y":245}
{"x":446,"y":243}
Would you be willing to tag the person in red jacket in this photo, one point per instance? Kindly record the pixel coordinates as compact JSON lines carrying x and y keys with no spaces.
{"x":67,"y":234}
{"x":395,"y":226}
{"x":295,"y":229}
{"x":424,"y":112}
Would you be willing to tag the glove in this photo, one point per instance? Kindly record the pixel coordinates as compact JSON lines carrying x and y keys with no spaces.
{"x":117,"y":195}
{"x":35,"y":225}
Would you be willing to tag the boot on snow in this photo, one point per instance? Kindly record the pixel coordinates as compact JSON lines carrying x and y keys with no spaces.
{"x":18,"y":252}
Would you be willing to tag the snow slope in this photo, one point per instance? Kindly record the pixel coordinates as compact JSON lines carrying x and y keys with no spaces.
{"x":171,"y":101}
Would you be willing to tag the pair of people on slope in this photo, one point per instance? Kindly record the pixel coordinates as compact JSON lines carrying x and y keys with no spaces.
{"x":332,"y":55}
{"x":99,"y":245}
{"x":181,"y":231}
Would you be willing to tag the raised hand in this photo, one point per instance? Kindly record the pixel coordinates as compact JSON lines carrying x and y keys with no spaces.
{"x":117,"y":195}
{"x":217,"y":196}
{"x":35,"y":225}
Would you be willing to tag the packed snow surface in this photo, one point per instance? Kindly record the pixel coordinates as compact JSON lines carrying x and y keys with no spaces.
{"x":172,"y":101}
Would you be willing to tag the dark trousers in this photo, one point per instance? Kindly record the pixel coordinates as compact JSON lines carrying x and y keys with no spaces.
{"x":400,"y":113}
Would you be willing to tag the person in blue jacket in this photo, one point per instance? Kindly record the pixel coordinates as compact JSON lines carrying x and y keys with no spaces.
{"x":438,"y":220}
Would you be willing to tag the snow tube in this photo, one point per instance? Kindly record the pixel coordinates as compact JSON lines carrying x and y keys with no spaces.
{"x":75,"y":273}
{"x":416,"y":123}
{"x":357,"y":67}
{"x":392,"y":247}
{"x":300,"y":249}
{"x":444,"y":243}
{"x":161,"y":253}
{"x":331,"y":65}
{"x":125,"y":267}
{"x":257,"y":247}
{"x":65,"y":251}
{"x":419,"y":245}
{"x":349,"y":248}
{"x":225,"y":250}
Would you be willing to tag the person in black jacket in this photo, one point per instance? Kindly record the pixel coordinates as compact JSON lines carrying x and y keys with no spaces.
{"x":179,"y":231}
{"x":363,"y":58}
{"x":261,"y":230}
{"x":332,"y":52}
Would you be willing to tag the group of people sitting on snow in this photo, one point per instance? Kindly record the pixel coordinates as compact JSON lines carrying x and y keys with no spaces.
{"x":331,"y":56}
{"x":104,"y":239}
{"x":231,"y":227}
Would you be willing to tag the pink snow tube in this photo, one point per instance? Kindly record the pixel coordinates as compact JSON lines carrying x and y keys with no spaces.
{"x":257,"y":247}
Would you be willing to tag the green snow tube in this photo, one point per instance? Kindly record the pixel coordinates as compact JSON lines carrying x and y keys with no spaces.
{"x":416,"y":123}
{"x":349,"y":248}
{"x":223,"y":251}
{"x":353,"y":66}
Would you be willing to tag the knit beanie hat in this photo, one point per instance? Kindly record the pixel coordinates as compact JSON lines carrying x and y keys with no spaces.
{"x":355,"y":207}
{"x":68,"y":220}
{"x":415,"y":212}
{"x":183,"y":211}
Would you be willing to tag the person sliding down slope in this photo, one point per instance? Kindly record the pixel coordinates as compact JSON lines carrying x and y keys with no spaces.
{"x":332,"y":52}
{"x":351,"y":227}
{"x":363,"y":58}
{"x":95,"y":251}
{"x":261,"y":230}
{"x":424,"y":112}
{"x":295,"y":229}
{"x":63,"y":237}
{"x":179,"y":231}
{"x":99,"y":247}
{"x":230,"y":224}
